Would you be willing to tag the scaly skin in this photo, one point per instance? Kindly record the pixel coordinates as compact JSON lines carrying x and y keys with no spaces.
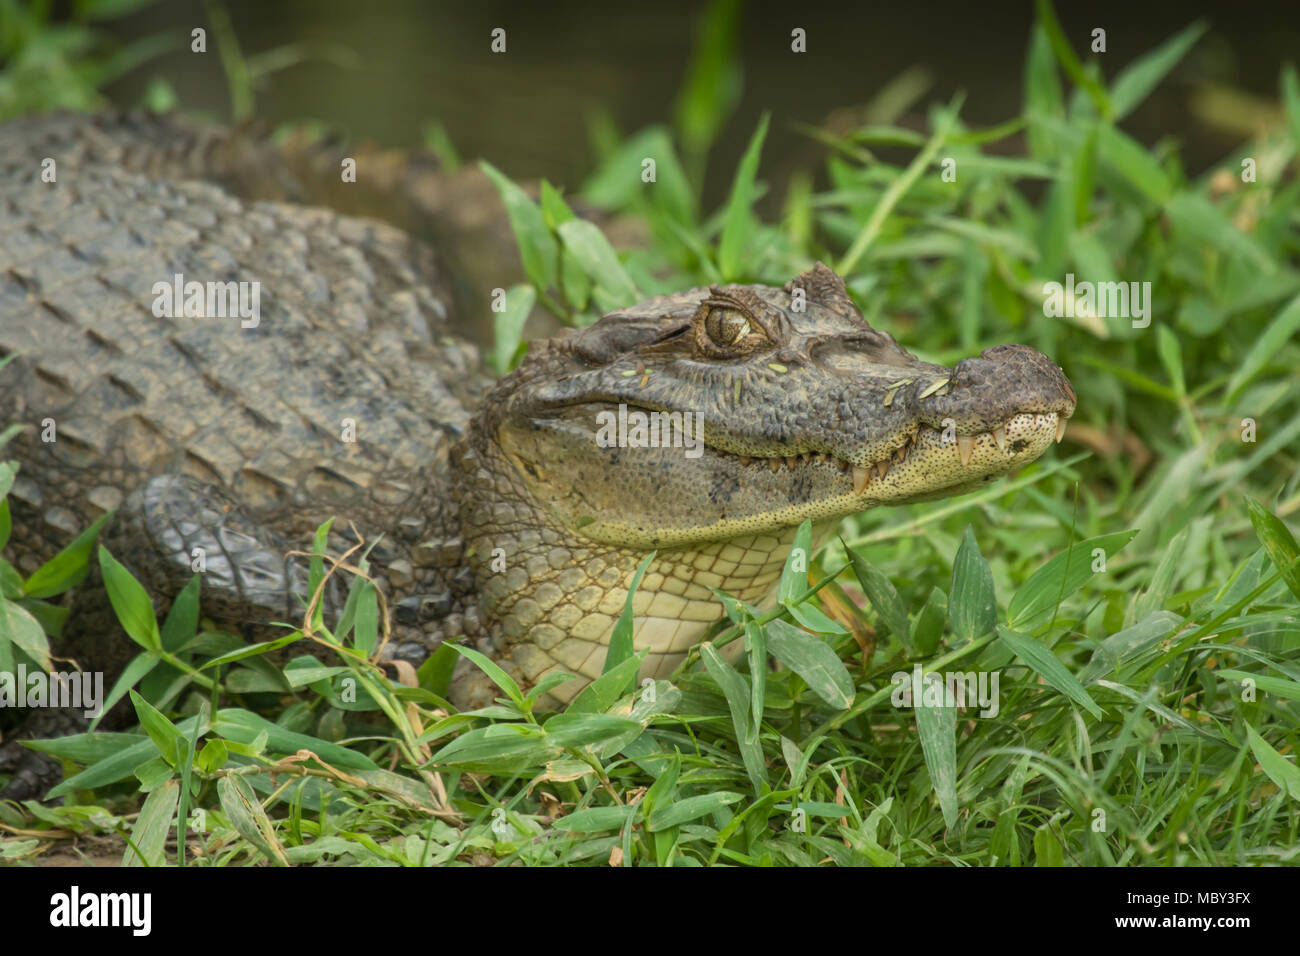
{"x":503,"y":521}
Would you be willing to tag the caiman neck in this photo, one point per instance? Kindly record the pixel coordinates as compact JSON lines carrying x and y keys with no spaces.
{"x":551,"y":597}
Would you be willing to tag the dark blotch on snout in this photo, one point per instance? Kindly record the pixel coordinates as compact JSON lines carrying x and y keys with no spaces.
{"x":1004,"y":381}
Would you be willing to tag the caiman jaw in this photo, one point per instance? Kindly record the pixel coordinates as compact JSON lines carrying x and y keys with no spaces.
{"x":914,"y":470}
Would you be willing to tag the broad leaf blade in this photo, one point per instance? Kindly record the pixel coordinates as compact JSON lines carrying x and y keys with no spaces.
{"x":972,"y":607}
{"x":1049,"y":667}
{"x":813,"y":660}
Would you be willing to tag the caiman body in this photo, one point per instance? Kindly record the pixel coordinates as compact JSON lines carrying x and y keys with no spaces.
{"x":504,"y":518}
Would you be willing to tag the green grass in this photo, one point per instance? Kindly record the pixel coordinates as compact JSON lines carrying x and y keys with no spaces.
{"x":1137,"y":591}
{"x":63,"y":62}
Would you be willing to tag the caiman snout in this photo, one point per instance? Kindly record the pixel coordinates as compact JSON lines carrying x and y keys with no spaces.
{"x":1003,"y":382}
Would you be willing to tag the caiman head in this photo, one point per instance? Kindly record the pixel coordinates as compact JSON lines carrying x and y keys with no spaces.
{"x":707,"y":425}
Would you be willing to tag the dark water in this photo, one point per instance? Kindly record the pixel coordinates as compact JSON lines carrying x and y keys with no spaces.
{"x":528,"y":109}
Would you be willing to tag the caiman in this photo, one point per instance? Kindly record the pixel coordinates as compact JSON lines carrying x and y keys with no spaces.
{"x":504,"y":519}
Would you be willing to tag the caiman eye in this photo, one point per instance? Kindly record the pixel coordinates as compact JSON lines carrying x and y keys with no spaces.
{"x":727,"y":326}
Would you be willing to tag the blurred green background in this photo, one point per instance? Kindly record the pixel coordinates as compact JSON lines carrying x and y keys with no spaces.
{"x":382,"y":70}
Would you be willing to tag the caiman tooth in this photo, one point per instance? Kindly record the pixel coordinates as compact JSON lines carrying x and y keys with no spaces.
{"x":882,"y":468}
{"x":776,"y":464}
{"x":1000,"y":437}
{"x":790,"y":461}
{"x":901,"y":455}
{"x":745,"y":459}
{"x":1060,"y":429}
{"x":861,"y":477}
{"x":965,"y":448}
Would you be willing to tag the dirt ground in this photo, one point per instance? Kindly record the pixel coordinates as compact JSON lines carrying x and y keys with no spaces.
{"x":82,"y":851}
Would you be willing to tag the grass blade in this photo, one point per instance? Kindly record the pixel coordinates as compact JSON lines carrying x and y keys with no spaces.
{"x":1278,"y":541}
{"x":1046,"y":664}
{"x":937,"y":729}
{"x":1136,"y":81}
{"x":736,"y":691}
{"x":738,"y":224}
